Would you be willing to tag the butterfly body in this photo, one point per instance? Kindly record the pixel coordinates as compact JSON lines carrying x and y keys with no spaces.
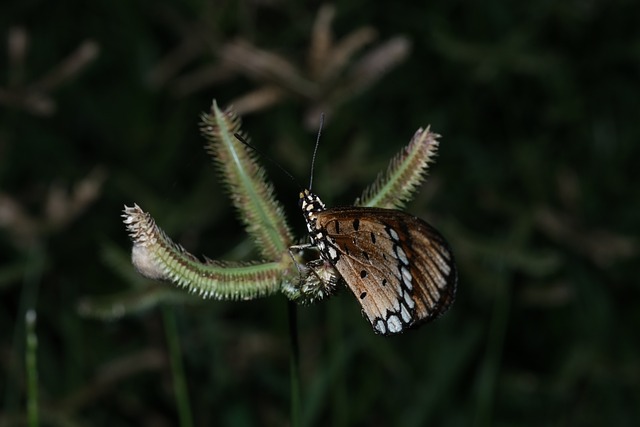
{"x":400,"y":268}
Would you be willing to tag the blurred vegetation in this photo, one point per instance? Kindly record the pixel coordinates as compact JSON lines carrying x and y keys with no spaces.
{"x":534,"y":187}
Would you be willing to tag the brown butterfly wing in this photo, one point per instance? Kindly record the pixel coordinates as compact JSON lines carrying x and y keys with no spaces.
{"x":400,"y":269}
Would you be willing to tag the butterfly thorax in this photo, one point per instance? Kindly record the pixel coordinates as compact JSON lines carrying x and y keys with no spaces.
{"x":311,"y":205}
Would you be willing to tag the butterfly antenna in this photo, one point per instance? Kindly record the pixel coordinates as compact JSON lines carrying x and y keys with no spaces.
{"x":262,"y":154}
{"x":315,"y":150}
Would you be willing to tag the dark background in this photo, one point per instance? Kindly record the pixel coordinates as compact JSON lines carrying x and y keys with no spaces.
{"x":535,"y":187}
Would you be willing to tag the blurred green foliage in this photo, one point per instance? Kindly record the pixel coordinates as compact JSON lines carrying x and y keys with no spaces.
{"x":534,"y":187}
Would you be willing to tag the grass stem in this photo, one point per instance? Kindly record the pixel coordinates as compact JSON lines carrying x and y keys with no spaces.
{"x":31,"y":368}
{"x":177,"y":370}
{"x":295,"y":364}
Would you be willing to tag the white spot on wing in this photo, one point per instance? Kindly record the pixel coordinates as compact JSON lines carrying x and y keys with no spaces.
{"x":394,"y":324}
{"x":406,"y":277}
{"x":380,"y":326}
{"x":401,"y":255}
{"x":332,"y":253}
{"x":408,"y":300}
{"x":406,"y":316}
{"x":393,"y":234}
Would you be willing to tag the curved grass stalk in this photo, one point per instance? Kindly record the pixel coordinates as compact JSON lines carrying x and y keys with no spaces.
{"x":406,"y":171}
{"x":156,"y":256}
{"x":251,"y":193}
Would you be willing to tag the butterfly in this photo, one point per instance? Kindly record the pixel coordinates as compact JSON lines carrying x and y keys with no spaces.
{"x":401,"y":269}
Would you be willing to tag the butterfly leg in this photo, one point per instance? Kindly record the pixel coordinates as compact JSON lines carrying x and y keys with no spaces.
{"x":293,"y":258}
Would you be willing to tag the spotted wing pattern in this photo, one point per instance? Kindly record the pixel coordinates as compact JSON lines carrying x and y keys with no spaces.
{"x":400,"y":269}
